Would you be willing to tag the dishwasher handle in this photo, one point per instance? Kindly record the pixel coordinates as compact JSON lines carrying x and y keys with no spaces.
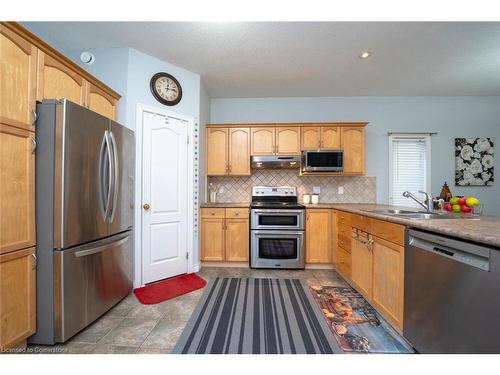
{"x":468,"y":258}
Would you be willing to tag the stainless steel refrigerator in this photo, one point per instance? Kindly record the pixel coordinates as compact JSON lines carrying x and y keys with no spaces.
{"x":84,"y":214}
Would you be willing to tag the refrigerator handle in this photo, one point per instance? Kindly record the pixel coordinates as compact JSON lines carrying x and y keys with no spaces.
{"x":110,"y":176}
{"x":103,"y":205}
{"x":100,"y":249}
{"x":115,"y":179}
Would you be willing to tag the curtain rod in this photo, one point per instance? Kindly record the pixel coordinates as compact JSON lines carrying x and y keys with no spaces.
{"x":412,"y":133}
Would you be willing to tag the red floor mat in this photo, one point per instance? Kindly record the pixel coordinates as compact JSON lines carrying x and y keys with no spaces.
{"x":167,"y":289}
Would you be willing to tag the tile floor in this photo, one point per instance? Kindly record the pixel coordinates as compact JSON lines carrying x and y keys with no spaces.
{"x":134,"y":328}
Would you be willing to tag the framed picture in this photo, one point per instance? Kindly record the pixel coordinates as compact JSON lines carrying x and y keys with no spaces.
{"x":474,"y":160}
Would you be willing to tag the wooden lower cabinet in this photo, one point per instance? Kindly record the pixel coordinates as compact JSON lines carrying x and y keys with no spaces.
{"x":388,"y":280}
{"x":361,"y":266}
{"x":237,"y":247}
{"x":343,"y":262}
{"x":373,"y":262}
{"x":212,"y":239}
{"x":318,"y":235}
{"x":224,"y":234}
{"x":17,"y":297}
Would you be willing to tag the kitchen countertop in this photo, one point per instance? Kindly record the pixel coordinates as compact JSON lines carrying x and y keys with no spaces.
{"x":225,"y":205}
{"x":482,"y":229}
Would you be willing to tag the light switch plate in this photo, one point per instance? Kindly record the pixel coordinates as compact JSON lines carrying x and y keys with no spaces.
{"x":316,"y":190}
{"x":340,"y":190}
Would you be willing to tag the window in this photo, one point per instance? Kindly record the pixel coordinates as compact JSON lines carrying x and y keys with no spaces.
{"x":409,"y":167}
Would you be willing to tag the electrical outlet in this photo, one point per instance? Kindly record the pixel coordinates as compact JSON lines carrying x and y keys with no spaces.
{"x":316,"y":189}
{"x":340,"y":190}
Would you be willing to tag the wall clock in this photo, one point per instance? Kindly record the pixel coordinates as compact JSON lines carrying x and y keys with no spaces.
{"x":166,"y":88}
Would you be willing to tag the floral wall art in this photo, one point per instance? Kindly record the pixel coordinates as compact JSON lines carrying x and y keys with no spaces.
{"x":474,"y":161}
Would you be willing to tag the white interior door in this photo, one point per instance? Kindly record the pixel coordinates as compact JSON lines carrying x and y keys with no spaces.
{"x":164,"y":197}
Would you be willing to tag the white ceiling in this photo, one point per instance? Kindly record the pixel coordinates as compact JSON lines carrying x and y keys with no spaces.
{"x":270,"y":59}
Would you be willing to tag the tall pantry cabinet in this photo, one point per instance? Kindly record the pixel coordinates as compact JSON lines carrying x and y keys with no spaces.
{"x":30,"y":70}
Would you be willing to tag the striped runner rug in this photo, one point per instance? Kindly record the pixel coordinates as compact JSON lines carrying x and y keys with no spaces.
{"x":256,"y":316}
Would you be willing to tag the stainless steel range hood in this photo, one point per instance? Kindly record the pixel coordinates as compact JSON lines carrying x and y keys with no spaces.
{"x":275,"y":161}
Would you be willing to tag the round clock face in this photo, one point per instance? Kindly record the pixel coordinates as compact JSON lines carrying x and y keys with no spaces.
{"x":166,"y":89}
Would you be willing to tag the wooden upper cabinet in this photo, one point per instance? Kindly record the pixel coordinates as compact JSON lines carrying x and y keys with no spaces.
{"x":330,"y":137}
{"x":217,"y":151}
{"x":18,"y":297}
{"x":239,"y":152}
{"x":310,"y":138}
{"x":287,"y":140}
{"x":318,"y":138}
{"x":388,"y":280}
{"x":319,"y":236}
{"x":17,"y":189}
{"x":263,"y":141}
{"x":17,"y":80}
{"x":101,"y":102}
{"x":58,"y":81}
{"x":353,"y":143}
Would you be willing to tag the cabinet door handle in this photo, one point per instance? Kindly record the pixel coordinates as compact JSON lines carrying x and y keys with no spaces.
{"x":34,"y":117}
{"x":34,"y":145}
{"x":35,"y":261}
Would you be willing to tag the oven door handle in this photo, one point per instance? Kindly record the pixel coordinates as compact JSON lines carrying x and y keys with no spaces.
{"x":274,"y":233}
{"x":277,"y":211}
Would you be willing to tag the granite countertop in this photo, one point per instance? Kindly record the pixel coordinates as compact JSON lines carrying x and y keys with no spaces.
{"x":225,"y":205}
{"x":483,"y":229}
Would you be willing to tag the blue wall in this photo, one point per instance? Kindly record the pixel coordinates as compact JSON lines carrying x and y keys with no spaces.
{"x":450,"y":117}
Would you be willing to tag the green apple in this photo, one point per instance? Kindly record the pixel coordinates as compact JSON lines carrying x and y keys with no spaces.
{"x":456,"y":208}
{"x":454,"y":200}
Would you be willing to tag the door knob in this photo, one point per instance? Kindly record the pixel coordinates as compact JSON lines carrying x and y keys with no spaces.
{"x":146,"y":206}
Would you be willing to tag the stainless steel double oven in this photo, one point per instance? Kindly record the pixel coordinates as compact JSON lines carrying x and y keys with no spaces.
{"x":277,"y":235}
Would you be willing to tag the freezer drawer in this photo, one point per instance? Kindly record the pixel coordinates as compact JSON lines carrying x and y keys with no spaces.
{"x":89,"y":280}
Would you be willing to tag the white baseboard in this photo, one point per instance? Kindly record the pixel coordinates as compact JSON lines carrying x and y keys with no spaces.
{"x":196,"y":267}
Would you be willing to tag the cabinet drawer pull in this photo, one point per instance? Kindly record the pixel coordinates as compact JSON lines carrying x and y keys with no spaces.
{"x":35,"y":261}
{"x":34,"y":117}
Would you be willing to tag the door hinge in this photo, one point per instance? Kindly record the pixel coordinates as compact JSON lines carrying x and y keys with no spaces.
{"x":187,"y":255}
{"x":188,"y":139}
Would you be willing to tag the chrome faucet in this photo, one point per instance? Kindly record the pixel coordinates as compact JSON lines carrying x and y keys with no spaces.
{"x":427,"y":203}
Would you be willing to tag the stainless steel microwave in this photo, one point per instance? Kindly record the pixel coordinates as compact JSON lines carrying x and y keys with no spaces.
{"x":323,"y":161}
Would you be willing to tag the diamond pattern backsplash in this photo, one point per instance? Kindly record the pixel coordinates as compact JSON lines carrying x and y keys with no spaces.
{"x":357,"y":189}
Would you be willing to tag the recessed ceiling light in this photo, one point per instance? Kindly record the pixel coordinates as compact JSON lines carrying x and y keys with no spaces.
{"x":365,"y":55}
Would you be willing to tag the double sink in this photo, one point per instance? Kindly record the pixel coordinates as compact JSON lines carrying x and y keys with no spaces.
{"x":422,"y":214}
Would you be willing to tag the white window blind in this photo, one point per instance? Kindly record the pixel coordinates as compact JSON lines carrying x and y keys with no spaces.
{"x":409,"y":159}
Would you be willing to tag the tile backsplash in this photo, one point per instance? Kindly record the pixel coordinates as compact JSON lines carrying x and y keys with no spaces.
{"x":357,"y":189}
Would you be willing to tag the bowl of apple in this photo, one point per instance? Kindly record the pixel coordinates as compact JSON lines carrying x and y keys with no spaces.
{"x":463,"y":205}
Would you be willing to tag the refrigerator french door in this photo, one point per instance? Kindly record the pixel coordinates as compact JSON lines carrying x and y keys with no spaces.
{"x":84,"y":201}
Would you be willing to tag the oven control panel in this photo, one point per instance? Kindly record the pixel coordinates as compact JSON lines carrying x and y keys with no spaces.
{"x":276,"y":191}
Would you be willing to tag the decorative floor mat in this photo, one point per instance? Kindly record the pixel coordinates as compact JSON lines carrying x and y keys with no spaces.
{"x":355,"y":323}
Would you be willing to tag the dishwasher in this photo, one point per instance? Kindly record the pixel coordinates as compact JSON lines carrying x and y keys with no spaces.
{"x":451,"y":295}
